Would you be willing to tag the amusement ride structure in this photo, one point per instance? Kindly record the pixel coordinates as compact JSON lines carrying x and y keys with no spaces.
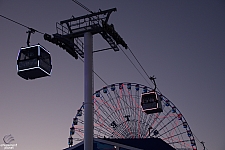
{"x":118,"y":113}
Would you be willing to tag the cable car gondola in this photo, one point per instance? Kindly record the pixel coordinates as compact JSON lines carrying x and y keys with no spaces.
{"x":34,"y":62}
{"x":151,"y":102}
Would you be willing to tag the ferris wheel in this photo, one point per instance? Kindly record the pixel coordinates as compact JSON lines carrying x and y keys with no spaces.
{"x":119,"y":113}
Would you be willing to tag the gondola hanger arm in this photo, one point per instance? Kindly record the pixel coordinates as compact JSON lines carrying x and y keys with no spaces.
{"x":31,"y":30}
{"x":152,"y":78}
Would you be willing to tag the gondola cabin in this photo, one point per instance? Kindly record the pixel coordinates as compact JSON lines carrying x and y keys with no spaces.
{"x":151,"y":102}
{"x":34,"y":62}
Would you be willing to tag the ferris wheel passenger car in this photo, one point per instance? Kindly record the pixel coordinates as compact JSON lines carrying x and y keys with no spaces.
{"x":151,"y":103}
{"x":33,"y":62}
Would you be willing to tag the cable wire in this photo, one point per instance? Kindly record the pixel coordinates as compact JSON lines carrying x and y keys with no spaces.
{"x":95,"y":73}
{"x":81,"y":5}
{"x":139,"y":63}
{"x":20,"y":24}
{"x":134,"y":65}
{"x":141,"y":67}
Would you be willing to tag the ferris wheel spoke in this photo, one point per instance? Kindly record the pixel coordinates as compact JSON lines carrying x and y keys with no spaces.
{"x":110,"y":114}
{"x":133,"y":127}
{"x":120,"y":109}
{"x":123,"y":98}
{"x":165,"y":129}
{"x":166,"y":115}
{"x":146,"y":124}
{"x":147,"y":128}
{"x":148,"y":121}
{"x":133,"y":101}
{"x":159,"y":121}
{"x":126,"y":125}
{"x":102,"y":121}
{"x":109,"y":129}
{"x":144,"y":132}
{"x":114,"y":105}
{"x":172,"y":136}
{"x":124,"y":120}
{"x":104,"y":105}
{"x":132,"y":109}
{"x":165,"y":134}
{"x":141,"y":123}
{"x":155,"y":119}
{"x":120,"y":129}
{"x":129,"y":128}
{"x":103,"y":117}
{"x":168,"y":123}
{"x":120,"y":116}
{"x":129,"y":91}
{"x":171,"y":131}
{"x":137,"y":117}
{"x":80,"y":121}
{"x":180,"y":138}
{"x":168,"y":131}
{"x":80,"y":132}
{"x":177,"y":127}
{"x":122,"y":103}
{"x":107,"y":115}
{"x":102,"y":132}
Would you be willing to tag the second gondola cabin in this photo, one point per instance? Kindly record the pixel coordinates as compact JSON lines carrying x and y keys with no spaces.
{"x":151,"y":102}
{"x":34,"y":62}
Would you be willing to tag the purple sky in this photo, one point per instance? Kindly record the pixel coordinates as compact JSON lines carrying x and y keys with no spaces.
{"x":180,"y":42}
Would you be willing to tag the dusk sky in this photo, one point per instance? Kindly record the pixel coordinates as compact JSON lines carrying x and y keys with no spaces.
{"x":182,"y":43}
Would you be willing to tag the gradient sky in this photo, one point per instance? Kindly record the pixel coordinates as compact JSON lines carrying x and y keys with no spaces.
{"x":182,"y":43}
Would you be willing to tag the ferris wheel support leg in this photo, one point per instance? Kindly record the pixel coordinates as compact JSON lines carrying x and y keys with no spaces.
{"x":88,"y":91}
